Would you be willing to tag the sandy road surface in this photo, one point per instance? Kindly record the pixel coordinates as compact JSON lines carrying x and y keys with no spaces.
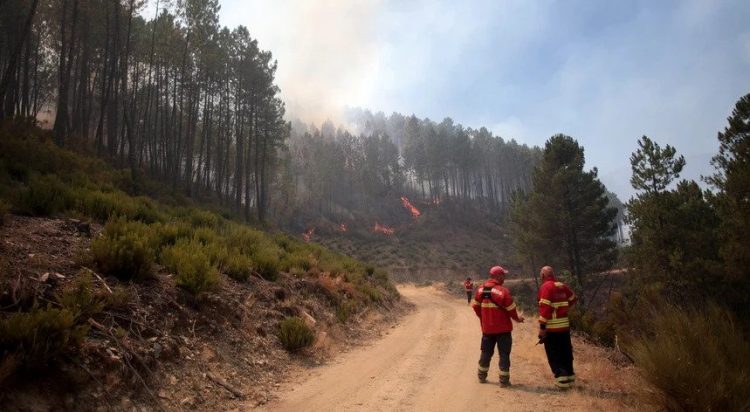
{"x":428,"y":363}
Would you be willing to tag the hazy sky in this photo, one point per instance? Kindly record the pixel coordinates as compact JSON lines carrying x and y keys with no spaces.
{"x":604,"y":72}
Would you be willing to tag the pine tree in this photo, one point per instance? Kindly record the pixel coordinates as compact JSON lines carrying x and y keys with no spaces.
{"x":567,"y":213}
{"x":733,"y":181}
{"x":674,"y":244}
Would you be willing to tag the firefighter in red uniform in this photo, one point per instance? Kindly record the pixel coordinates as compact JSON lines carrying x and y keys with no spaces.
{"x":495,"y":308}
{"x":469,"y":288}
{"x":555,"y":298}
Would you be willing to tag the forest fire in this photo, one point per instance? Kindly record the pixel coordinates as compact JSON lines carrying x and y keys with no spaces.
{"x":378,"y":228}
{"x":407,"y":204}
{"x":307,"y":236}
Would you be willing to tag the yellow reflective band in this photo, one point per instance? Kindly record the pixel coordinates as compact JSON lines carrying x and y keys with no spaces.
{"x":511,"y":307}
{"x":562,"y":385}
{"x":562,"y":379}
{"x":559,"y":284}
{"x":559,"y":304}
{"x":559,"y":320}
{"x":483,"y":368}
{"x":545,"y":302}
{"x":572,"y":298}
{"x":474,"y":303}
{"x":504,"y":373}
{"x":489,"y":305}
{"x":572,"y":378}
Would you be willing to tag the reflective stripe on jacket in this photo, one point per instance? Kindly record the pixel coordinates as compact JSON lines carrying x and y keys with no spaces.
{"x":494,"y":306}
{"x":555,"y":298}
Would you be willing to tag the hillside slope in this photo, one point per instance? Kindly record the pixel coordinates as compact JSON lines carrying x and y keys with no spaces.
{"x":110,"y":299}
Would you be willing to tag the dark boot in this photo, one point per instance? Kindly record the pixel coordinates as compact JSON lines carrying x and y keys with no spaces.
{"x":504,"y":378}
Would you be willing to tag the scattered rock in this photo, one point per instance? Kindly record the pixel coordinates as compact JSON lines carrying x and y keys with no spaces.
{"x":308,"y":319}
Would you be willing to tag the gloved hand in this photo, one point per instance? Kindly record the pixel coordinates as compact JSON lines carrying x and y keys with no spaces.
{"x":542,"y":335}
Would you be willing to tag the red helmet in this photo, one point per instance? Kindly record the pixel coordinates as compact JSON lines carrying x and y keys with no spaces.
{"x":497,"y":272}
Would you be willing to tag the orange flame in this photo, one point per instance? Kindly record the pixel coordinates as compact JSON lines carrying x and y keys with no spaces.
{"x":407,"y":204}
{"x":343,"y":228}
{"x":383,"y":229}
{"x":307,"y":236}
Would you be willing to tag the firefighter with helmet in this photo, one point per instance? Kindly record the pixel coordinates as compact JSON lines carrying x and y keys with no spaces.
{"x":495,"y":308}
{"x":469,"y":288}
{"x":555,"y":299}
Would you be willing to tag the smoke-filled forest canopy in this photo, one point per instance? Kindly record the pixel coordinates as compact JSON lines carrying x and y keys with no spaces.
{"x":176,"y":95}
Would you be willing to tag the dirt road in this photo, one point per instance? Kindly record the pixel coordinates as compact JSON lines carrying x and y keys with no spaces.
{"x":428,"y":363}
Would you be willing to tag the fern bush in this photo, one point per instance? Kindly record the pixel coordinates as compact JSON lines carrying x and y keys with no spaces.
{"x":294,"y":334}
{"x":192,"y":266}
{"x":125,"y":250}
{"x":696,"y":360}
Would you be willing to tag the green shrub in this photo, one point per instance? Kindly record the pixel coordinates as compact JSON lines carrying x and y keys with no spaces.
{"x":238,"y":266}
{"x":298,"y":261}
{"x":267,"y":263}
{"x":199,"y":218}
{"x":192,"y":266}
{"x":125,"y":250}
{"x":246,"y":239}
{"x":695,"y":360}
{"x":43,"y":196}
{"x":31,"y":339}
{"x":167,"y":234}
{"x":294,"y":334}
{"x":80,"y":298}
{"x":371,"y":292}
{"x":218,"y":253}
{"x":104,"y":205}
{"x":345,"y":310}
{"x":146,"y":211}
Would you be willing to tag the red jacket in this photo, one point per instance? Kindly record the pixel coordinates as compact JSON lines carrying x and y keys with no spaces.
{"x":469,"y":285}
{"x":555,"y":298}
{"x":494,"y":306}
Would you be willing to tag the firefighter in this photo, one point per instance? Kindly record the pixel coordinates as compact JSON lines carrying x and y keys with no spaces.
{"x":469,"y":288}
{"x":495,"y":308}
{"x":555,"y":299}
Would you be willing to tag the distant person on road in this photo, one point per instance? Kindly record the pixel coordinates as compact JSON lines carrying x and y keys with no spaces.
{"x":495,"y":308}
{"x":555,"y":298}
{"x":469,"y":287}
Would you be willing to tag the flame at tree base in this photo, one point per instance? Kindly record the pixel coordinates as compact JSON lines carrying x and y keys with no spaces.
{"x":378,"y":228}
{"x":407,"y":204}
